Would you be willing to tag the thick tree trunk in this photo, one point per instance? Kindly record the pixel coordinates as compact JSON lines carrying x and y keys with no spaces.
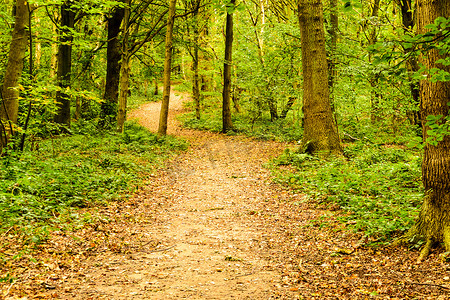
{"x":162,"y":129}
{"x":433,"y":223}
{"x":113,"y":68}
{"x":9,"y":107}
{"x":320,"y":132}
{"x":227,"y":125}
{"x":64,"y":65}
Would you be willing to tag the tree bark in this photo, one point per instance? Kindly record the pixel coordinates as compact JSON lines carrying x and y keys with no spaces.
{"x":320,"y":131}
{"x":124,"y":81}
{"x":333,"y":31}
{"x":123,"y":94}
{"x":64,"y":65}
{"x":195,"y":60}
{"x":113,"y":68}
{"x":9,"y":107}
{"x":433,"y":223}
{"x":227,"y":124}
{"x":162,"y":129}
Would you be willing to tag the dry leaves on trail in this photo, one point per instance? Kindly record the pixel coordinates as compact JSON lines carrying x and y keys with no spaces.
{"x":213,"y":225}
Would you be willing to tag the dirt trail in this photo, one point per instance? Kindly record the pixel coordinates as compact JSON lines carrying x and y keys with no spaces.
{"x":210,"y":247}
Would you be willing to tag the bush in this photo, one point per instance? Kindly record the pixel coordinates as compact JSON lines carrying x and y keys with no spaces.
{"x":378,"y":186}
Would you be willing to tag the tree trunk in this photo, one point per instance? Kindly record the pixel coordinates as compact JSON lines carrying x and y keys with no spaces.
{"x":375,"y":116}
{"x":333,"y":31}
{"x":269,"y":99}
{"x":125,"y":66}
{"x":320,"y":132}
{"x":156,"y":92}
{"x":64,"y":64}
{"x":9,"y":107}
{"x":196,"y":78}
{"x":162,"y":129}
{"x":123,"y":94}
{"x":54,"y":55}
{"x":412,"y":63}
{"x":433,"y":223}
{"x":113,"y":68}
{"x":227,"y":125}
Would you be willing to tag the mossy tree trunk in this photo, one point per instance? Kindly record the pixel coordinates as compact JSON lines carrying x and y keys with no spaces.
{"x":124,"y":81}
{"x":433,"y":223}
{"x":320,"y":131}
{"x":9,"y":101}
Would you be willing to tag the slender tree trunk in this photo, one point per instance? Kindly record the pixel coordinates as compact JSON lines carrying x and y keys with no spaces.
{"x":372,"y":39}
{"x":259,"y":35}
{"x":412,"y":63}
{"x":9,"y":107}
{"x":195,"y":62}
{"x":54,"y":55}
{"x":125,"y":66}
{"x":113,"y":68}
{"x":156,"y":92}
{"x":64,"y":65}
{"x":333,"y":31}
{"x":37,"y":43}
{"x":433,"y":223}
{"x":320,"y":132}
{"x":123,"y":94}
{"x":332,"y":67}
{"x":227,"y":124}
{"x":162,"y":129}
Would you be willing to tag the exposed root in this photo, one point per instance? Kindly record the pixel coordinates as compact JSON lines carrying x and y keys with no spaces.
{"x":446,"y":234}
{"x":425,"y":250}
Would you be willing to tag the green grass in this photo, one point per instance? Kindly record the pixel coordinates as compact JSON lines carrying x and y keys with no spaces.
{"x":45,"y":188}
{"x":378,"y":187}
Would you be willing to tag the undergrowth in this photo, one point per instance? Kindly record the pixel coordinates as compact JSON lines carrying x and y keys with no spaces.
{"x":261,"y":128}
{"x":377,"y":186}
{"x":44,"y":188}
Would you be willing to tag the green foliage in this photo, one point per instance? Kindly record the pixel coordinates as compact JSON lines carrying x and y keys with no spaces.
{"x":439,"y":127}
{"x":378,"y":187}
{"x":244,"y":123}
{"x":45,"y":187}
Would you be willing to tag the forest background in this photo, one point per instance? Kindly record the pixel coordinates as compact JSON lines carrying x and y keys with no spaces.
{"x":71,"y":69}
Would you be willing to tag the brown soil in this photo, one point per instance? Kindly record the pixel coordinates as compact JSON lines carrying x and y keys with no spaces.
{"x":213,"y":225}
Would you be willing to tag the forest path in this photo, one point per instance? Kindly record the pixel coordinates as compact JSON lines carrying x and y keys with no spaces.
{"x":214,"y":242}
{"x":211,"y":224}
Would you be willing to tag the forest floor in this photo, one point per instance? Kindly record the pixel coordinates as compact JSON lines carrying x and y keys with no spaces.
{"x":211,"y":224}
